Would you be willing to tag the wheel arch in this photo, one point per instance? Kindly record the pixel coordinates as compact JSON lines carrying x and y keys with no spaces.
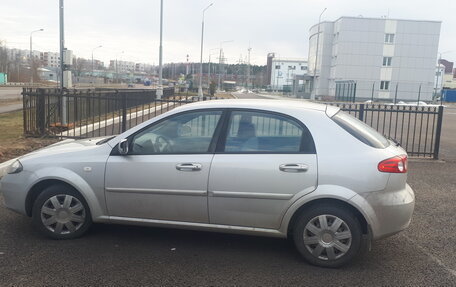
{"x":67,"y":178}
{"x":38,"y":188}
{"x":333,"y":201}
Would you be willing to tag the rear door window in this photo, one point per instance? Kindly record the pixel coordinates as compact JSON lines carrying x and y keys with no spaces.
{"x":360,"y":130}
{"x":262,"y":132}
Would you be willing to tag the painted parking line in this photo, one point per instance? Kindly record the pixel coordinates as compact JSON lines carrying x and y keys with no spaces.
{"x":431,"y":256}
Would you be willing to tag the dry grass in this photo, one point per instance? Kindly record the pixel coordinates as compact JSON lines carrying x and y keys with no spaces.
{"x":12,"y":141}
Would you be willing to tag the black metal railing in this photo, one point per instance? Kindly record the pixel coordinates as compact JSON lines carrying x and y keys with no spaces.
{"x":91,"y":113}
{"x":416,"y":128}
{"x":101,"y":112}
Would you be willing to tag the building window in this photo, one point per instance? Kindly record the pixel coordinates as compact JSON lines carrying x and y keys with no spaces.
{"x":387,"y":61}
{"x":303,"y":68}
{"x":389,"y":38}
{"x":277,"y":67}
{"x":384,"y":85}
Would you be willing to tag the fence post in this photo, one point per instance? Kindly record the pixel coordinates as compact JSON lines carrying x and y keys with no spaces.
{"x":40,"y":111}
{"x":24,"y":109}
{"x":124,"y":112}
{"x":361,"y":112}
{"x":438,"y":132}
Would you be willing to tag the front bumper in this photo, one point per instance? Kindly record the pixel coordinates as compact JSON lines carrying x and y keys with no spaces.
{"x":387,"y":212}
{"x":14,"y":188}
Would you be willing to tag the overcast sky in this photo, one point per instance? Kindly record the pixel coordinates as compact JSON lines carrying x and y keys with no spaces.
{"x":280,"y":26}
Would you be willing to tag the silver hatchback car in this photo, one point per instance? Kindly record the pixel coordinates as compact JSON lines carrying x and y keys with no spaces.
{"x":292,"y":169}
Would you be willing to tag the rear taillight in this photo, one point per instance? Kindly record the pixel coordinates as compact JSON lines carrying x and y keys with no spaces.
{"x":397,"y":164}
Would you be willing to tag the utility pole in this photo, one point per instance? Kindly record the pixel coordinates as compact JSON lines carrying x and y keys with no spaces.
{"x":221,"y":60}
{"x":200,"y":86}
{"x":160,"y":61}
{"x":62,"y":66}
{"x":313,"y":95}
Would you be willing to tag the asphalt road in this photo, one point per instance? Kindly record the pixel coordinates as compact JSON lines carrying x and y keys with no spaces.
{"x":115,"y":255}
{"x":10,"y":99}
{"x":10,"y":93}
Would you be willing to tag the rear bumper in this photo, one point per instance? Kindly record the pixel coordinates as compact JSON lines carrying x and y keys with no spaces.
{"x":387,"y":212}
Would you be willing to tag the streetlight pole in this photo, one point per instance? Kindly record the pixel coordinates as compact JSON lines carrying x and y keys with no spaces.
{"x":160,"y":60}
{"x":312,"y":95}
{"x":31,"y":55}
{"x":200,"y":87}
{"x":92,"y":58}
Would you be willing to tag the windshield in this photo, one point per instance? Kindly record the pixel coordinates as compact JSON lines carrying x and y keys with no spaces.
{"x":360,"y":130}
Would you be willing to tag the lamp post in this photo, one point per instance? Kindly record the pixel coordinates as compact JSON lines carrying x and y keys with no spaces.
{"x":312,"y":95}
{"x":92,"y":59}
{"x":200,"y":87}
{"x":31,"y":55}
{"x":117,"y":70}
{"x":159,"y":92}
{"x":221,"y":62}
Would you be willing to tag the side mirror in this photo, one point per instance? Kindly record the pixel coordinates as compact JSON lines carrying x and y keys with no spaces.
{"x":122,"y":147}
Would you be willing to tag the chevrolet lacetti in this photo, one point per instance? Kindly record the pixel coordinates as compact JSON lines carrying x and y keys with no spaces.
{"x":306,"y":171}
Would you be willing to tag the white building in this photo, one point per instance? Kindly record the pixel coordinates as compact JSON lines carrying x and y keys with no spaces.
{"x":50,"y":59}
{"x":439,"y":78}
{"x":141,"y":67}
{"x":283,"y":71}
{"x":122,"y":66}
{"x":374,"y":56}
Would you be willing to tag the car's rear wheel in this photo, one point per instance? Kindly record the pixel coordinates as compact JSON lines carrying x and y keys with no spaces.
{"x":327,"y":235}
{"x":60,"y":212}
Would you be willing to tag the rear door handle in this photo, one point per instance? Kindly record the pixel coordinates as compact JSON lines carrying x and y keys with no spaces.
{"x":189,"y":166}
{"x":293,"y":167}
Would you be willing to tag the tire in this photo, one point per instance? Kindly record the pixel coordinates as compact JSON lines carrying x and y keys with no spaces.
{"x":59,"y":212}
{"x":328,"y":235}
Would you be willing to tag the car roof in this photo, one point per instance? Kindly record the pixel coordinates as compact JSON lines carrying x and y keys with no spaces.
{"x":266,"y":104}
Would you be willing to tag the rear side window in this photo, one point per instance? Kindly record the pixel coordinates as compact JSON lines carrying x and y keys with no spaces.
{"x":262,"y":132}
{"x":360,"y":130}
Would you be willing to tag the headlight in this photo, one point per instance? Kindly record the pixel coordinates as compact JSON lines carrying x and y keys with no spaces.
{"x":15,"y":167}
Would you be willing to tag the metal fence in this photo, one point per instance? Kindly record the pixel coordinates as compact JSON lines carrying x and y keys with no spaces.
{"x":101,"y":112}
{"x":92,"y":113}
{"x":416,"y":128}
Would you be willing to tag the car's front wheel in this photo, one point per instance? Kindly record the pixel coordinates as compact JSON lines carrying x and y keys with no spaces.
{"x":328,"y":235}
{"x":60,"y":212}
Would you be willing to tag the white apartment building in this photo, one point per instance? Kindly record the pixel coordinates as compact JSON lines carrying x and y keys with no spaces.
{"x":50,"y":59}
{"x":379,"y":55}
{"x":122,"y":66}
{"x":141,"y":67}
{"x":284,"y":70}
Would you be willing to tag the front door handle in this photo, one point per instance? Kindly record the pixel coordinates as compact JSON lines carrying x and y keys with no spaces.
{"x":189,"y":166}
{"x":293,"y":167}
